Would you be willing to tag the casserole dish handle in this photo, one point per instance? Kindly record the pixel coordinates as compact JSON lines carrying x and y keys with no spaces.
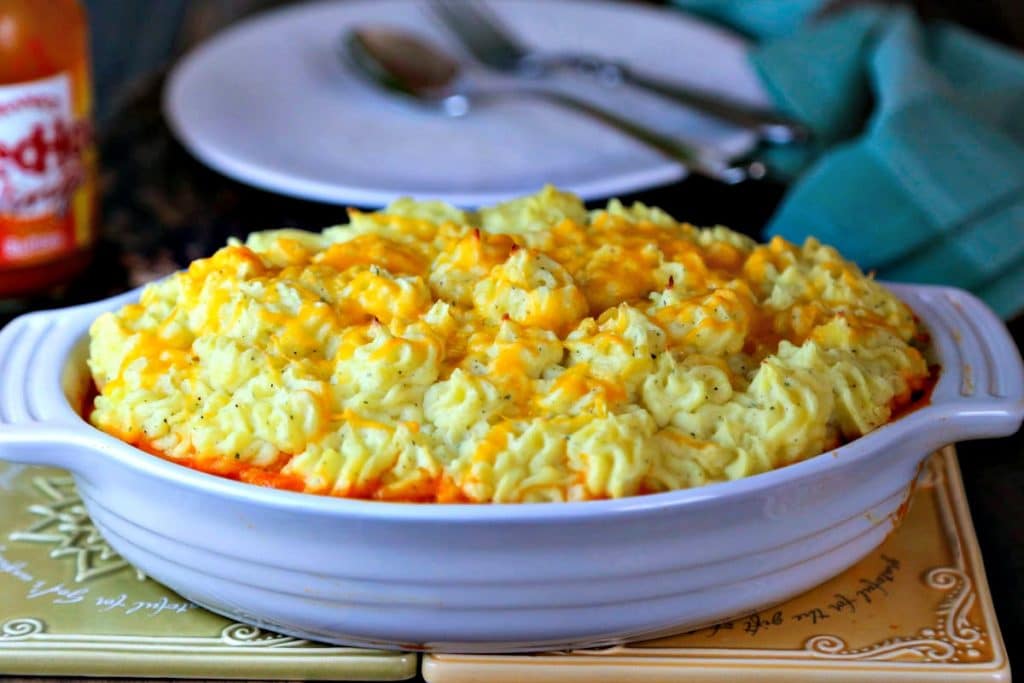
{"x":980,"y":393}
{"x":38,"y":387}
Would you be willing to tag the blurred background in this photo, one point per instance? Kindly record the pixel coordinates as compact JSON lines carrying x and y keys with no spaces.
{"x":164,"y":29}
{"x":151,"y":182}
{"x":160,"y":208}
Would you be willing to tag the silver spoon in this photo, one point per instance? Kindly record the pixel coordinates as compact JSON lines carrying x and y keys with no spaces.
{"x":408,"y":65}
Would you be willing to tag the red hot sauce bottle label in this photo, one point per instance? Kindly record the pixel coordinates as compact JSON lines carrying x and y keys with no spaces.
{"x":45,"y":195}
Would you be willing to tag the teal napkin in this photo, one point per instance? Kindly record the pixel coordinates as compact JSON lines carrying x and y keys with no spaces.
{"x":917,"y":169}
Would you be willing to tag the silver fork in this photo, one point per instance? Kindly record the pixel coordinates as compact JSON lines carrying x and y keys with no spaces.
{"x":476,"y":27}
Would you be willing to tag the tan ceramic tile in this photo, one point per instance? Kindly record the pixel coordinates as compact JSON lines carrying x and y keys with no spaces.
{"x":69,"y":605}
{"x":916,"y":609}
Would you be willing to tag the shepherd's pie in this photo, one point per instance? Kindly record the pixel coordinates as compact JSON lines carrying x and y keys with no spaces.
{"x":530,"y":351}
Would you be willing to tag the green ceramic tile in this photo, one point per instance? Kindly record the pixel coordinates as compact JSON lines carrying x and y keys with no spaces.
{"x":69,"y":605}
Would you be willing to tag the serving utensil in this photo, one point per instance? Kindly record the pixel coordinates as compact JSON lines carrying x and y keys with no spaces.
{"x":412,"y":67}
{"x":493,"y":45}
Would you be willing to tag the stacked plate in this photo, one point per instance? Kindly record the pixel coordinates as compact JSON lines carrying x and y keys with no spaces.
{"x":269,"y":103}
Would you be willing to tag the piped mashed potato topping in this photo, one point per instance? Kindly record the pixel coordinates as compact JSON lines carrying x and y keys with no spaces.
{"x":531,"y":351}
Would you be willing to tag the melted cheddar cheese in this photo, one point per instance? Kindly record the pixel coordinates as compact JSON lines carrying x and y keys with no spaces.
{"x":531,"y":351}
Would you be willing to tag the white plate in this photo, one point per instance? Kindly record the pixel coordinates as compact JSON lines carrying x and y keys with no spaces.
{"x":268,"y":103}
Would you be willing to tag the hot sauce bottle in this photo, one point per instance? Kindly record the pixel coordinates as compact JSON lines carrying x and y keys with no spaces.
{"x":47,"y":157}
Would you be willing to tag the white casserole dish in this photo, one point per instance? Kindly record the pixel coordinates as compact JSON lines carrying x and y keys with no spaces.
{"x":481,"y":578}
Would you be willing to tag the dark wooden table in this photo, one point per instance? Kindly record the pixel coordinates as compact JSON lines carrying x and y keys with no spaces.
{"x":162,"y":209}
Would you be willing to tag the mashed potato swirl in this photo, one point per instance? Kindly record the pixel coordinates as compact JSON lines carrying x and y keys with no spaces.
{"x":531,"y":351}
